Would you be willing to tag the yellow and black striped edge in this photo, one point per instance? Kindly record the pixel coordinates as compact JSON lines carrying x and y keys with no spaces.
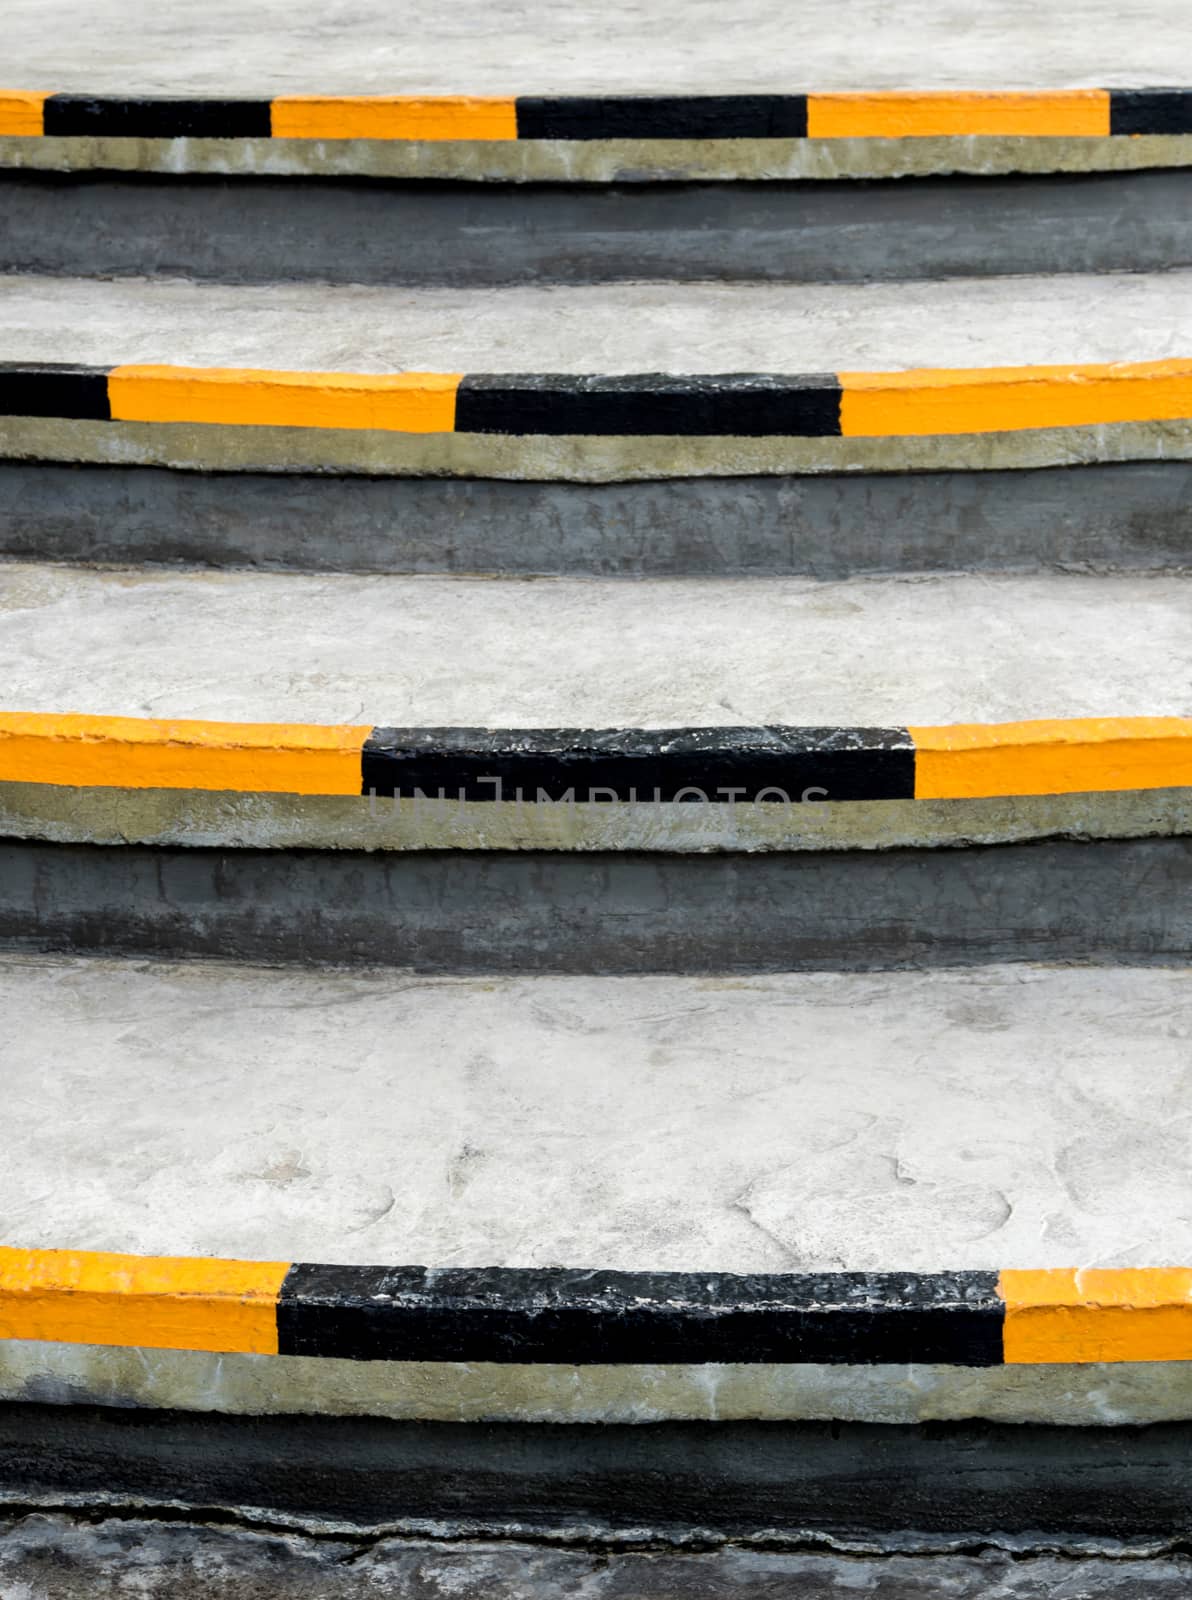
{"x":555,"y":1315}
{"x":743,"y":405}
{"x":630,"y":765}
{"x":894,"y":114}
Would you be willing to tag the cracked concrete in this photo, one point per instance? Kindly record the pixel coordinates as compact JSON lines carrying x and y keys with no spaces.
{"x":47,"y":1556}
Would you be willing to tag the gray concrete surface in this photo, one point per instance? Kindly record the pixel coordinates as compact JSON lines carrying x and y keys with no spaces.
{"x":47,"y":1556}
{"x":1125,"y":516}
{"x":354,"y":46}
{"x":429,"y":651}
{"x":345,"y":231}
{"x":611,"y":328}
{"x":1019,"y":1116}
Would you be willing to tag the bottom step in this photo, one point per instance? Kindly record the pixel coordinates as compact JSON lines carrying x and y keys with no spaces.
{"x":884,"y":1198}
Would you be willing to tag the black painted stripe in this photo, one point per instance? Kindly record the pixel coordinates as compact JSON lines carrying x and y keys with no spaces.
{"x":719,"y":765}
{"x":156,"y":117}
{"x":1150,"y":111}
{"x":589,"y":1318}
{"x":727,"y":116}
{"x":746,"y":404}
{"x":50,"y":389}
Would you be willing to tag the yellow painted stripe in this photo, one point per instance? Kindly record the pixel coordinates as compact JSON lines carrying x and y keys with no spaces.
{"x":153,"y":1302}
{"x":1119,"y":1314}
{"x":401,"y":402}
{"x":135,"y":753}
{"x":1070,"y":113}
{"x":1004,"y":399}
{"x":386,"y":116}
{"x":1081,"y":755}
{"x":21,"y":112}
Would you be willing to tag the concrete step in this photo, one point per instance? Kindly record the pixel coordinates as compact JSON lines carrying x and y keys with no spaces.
{"x":891,"y":1199}
{"x":568,"y":774}
{"x":858,"y":416}
{"x":598,"y":93}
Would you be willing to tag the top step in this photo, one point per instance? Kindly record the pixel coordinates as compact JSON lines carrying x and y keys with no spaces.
{"x":597,"y":93}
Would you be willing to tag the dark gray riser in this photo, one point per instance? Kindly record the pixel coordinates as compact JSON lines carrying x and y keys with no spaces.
{"x":1131,"y":516}
{"x":1124,"y":901}
{"x":260,"y":230}
{"x":791,"y":1484}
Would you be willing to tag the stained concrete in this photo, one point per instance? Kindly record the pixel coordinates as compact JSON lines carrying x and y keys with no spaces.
{"x":47,"y":1556}
{"x":429,"y":651}
{"x":427,"y":233}
{"x":207,"y":818}
{"x":615,"y":46}
{"x":1126,"y":516}
{"x":576,"y":458}
{"x":1014,"y":1116}
{"x":623,"y":161}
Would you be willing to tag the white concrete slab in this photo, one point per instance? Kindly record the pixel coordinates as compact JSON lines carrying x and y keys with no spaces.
{"x":592,"y":652}
{"x":969,"y":1119}
{"x":511,"y":47}
{"x":698,"y":327}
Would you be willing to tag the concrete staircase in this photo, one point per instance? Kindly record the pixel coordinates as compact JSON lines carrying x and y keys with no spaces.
{"x":594,"y":863}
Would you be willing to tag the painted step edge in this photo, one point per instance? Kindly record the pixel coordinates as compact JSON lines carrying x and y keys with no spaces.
{"x":924,"y":402}
{"x":544,"y":766}
{"x":585,"y":1317}
{"x":892,"y":114}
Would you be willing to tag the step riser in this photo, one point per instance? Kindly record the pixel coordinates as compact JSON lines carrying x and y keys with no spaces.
{"x":668,"y":1481}
{"x":252,"y":230}
{"x":1126,"y":516}
{"x":1125,"y":901}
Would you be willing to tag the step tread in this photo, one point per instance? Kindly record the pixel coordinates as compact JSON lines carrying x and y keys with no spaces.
{"x":591,"y":653}
{"x":112,"y":46}
{"x":609,"y":328}
{"x":1012,"y":1117}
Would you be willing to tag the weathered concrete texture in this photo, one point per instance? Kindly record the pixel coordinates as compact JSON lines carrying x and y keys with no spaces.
{"x":322,"y":822}
{"x":794,"y":1486}
{"x":614,"y":46}
{"x":574,"y":459}
{"x":479,"y":912}
{"x":625,"y":161}
{"x":609,"y":328}
{"x":261,"y":231}
{"x":1015,"y":1116}
{"x":428,"y":651}
{"x":1119,"y":1394}
{"x":1131,"y":516}
{"x":60,"y":1557}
